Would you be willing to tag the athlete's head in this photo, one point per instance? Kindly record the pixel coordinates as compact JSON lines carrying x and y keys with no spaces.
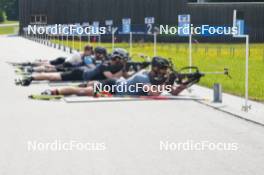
{"x":88,"y":50}
{"x":100,"y":53}
{"x":74,"y":59}
{"x":119,"y":56}
{"x":159,"y":70}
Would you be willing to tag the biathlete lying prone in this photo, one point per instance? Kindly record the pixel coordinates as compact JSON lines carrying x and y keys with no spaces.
{"x":76,"y":60}
{"x":152,"y":83}
{"x":107,"y":69}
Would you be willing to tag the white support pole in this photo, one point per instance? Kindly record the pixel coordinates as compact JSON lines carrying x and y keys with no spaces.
{"x":73,"y":41}
{"x":130,"y":42}
{"x":190,"y":52}
{"x":155,"y":45}
{"x":80,"y":43}
{"x":45,"y":38}
{"x":247,"y":106}
{"x":113,"y":40}
{"x":67,"y":40}
{"x":62,"y":42}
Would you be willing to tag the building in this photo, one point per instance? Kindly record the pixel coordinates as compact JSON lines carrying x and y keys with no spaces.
{"x":164,"y":11}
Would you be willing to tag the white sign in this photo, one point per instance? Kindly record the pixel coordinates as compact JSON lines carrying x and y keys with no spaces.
{"x":149,"y":20}
{"x":126,"y":21}
{"x":109,"y":22}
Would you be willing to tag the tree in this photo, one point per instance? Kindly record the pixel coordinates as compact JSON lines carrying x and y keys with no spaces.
{"x":10,"y":7}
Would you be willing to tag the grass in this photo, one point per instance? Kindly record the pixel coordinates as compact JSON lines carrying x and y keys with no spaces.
{"x":9,"y":22}
{"x":5,"y":30}
{"x":210,"y":57}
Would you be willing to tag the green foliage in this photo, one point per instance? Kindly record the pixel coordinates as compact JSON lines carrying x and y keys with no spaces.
{"x":2,"y":16}
{"x":10,"y":7}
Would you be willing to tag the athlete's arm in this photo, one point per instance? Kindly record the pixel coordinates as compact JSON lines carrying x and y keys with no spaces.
{"x":110,"y":75}
{"x":152,"y":90}
{"x":176,"y":90}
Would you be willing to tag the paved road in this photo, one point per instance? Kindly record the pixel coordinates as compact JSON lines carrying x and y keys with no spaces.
{"x":9,"y":25}
{"x":131,"y":132}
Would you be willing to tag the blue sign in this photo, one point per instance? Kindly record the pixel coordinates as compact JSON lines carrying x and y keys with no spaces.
{"x":240,"y":24}
{"x":184,"y":21}
{"x":95,"y":29}
{"x":149,"y":21}
{"x":126,"y":28}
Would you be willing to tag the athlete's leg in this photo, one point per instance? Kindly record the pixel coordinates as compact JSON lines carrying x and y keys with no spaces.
{"x":79,"y":91}
{"x":87,"y":91}
{"x":47,"y":76}
{"x":46,"y":68}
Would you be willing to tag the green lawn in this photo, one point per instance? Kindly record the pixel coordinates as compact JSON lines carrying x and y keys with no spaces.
{"x":9,"y":22}
{"x":211,"y":57}
{"x":5,"y":30}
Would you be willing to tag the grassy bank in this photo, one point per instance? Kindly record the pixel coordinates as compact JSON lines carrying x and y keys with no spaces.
{"x":9,"y":27}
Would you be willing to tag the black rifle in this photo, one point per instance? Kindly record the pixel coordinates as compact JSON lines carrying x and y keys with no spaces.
{"x":183,"y":77}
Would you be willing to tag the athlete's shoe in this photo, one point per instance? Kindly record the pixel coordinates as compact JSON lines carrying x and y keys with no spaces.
{"x":46,"y":92}
{"x":26,"y":81}
{"x":28,"y":70}
{"x":50,"y":92}
{"x":103,"y":94}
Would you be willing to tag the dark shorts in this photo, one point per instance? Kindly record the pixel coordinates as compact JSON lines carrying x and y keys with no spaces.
{"x":57,"y":61}
{"x":74,"y":75}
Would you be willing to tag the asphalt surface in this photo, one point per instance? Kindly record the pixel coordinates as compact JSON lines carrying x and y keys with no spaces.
{"x":131,"y":132}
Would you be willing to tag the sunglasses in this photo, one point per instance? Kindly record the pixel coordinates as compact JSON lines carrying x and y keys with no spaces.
{"x":116,"y":59}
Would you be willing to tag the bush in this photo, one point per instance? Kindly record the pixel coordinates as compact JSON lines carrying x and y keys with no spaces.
{"x":2,"y":16}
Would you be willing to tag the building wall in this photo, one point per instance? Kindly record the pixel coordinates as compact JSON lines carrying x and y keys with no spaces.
{"x":164,"y":11}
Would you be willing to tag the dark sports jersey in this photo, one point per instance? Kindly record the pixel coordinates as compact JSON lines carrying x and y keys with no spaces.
{"x":98,"y":72}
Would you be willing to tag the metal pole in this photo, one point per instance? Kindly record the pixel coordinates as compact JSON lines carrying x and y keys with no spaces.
{"x":190,"y":51}
{"x":67,"y":40}
{"x":62,"y":41}
{"x":130,"y":42}
{"x":155,"y":45}
{"x":73,"y":41}
{"x":246,"y":107}
{"x":113,"y":40}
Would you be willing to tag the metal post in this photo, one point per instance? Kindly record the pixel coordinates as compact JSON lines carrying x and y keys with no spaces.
{"x":89,"y":38}
{"x":80,"y":43}
{"x":113,"y":40}
{"x":54,"y":43}
{"x":130,"y":42}
{"x":59,"y":47}
{"x":62,"y":42}
{"x":155,"y":44}
{"x":190,"y":51}
{"x":73,"y":41}
{"x":67,"y":40}
{"x":247,"y":106}
{"x":217,"y":93}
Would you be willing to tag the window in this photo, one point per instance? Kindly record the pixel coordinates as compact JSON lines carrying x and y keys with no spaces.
{"x":38,"y":19}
